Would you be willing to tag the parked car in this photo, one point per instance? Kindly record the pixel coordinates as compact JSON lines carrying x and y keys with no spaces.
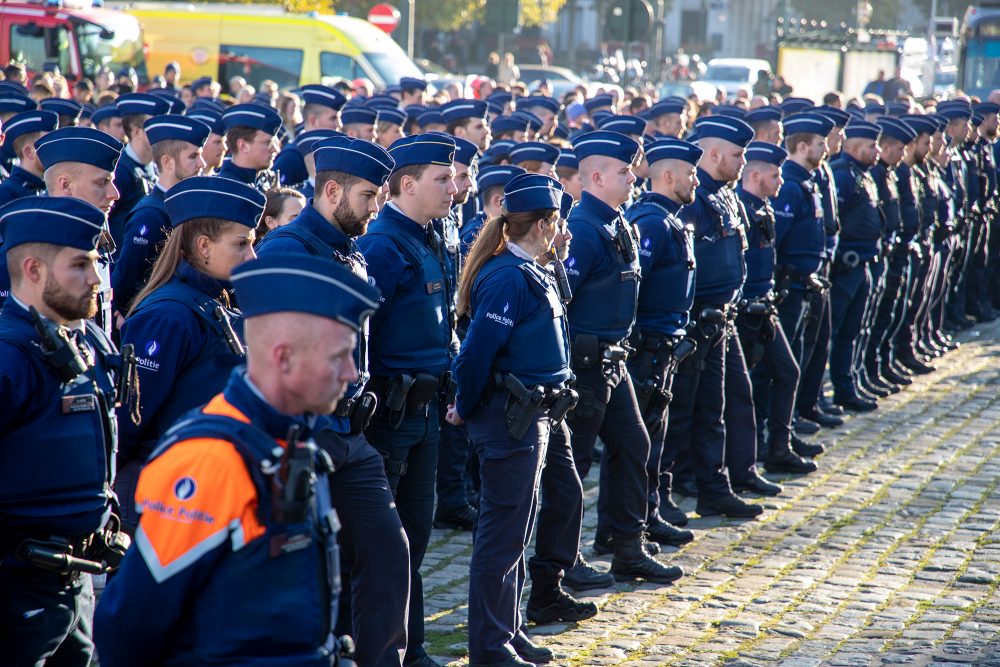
{"x":561,"y":80}
{"x":733,"y":74}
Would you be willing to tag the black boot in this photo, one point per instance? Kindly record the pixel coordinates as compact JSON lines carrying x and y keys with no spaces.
{"x":890,"y":374}
{"x":663,"y":532}
{"x":632,"y":562}
{"x":672,"y":514}
{"x":783,"y":459}
{"x":915,"y":365}
{"x":803,"y":448}
{"x":549,"y":603}
{"x":605,"y":546}
{"x":584,"y":577}
{"x":529,"y":650}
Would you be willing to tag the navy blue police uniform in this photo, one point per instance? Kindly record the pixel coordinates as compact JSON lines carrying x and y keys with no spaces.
{"x":147,"y":224}
{"x":59,"y":390}
{"x":373,"y":551}
{"x":251,"y":575}
{"x":517,"y":345}
{"x":186,"y":333}
{"x":489,"y":177}
{"x":22,"y":183}
{"x":290,"y":164}
{"x":257,"y":117}
{"x":410,"y":354}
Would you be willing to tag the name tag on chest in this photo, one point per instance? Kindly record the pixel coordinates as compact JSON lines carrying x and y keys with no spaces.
{"x":72,"y":405}
{"x":434,"y":286}
{"x":286,"y":543}
{"x":625,"y":276}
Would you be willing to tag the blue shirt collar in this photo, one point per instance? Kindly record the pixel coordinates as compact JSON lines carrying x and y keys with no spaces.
{"x":707,"y":183}
{"x":314,"y":222}
{"x":792,"y":171}
{"x":595,"y":206}
{"x":391,"y":216}
{"x":754,"y":201}
{"x":664,"y":201}
{"x":199,"y":280}
{"x":237,"y":173}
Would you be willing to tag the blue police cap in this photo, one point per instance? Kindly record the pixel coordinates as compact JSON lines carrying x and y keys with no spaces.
{"x":306,"y":141}
{"x":538,"y":101}
{"x":88,"y":111}
{"x":214,"y":197}
{"x":729,"y":110}
{"x":561,"y":131}
{"x":624,"y":124}
{"x":855,"y":112}
{"x":512,"y":123}
{"x":977,"y":118}
{"x":16,"y":103}
{"x":499,"y":97}
{"x":85,"y":145}
{"x":566,"y":205}
{"x":364,"y":159}
{"x":598,"y":116}
{"x":763,"y":115}
{"x":494,"y":108}
{"x":609,"y":144}
{"x":256,"y":116}
{"x":837,"y":116}
{"x":430,"y":117}
{"x":298,"y":283}
{"x":61,"y":221}
{"x":132,"y":104}
{"x":461,"y":109}
{"x":986,"y":108}
{"x":393,"y":90}
{"x":532,"y":192}
{"x":172,"y":97}
{"x":808,"y":123}
{"x":379,"y":102}
{"x":494,"y":175}
{"x":210,"y":103}
{"x":465,"y":151}
{"x":411,"y":83}
{"x":395,"y":116}
{"x":874,"y":109}
{"x":861,"y":129}
{"x":762,"y":151}
{"x":598,"y":102}
{"x":201,"y":82}
{"x":28,"y":122}
{"x":893,"y":127}
{"x":358,"y":115}
{"x":669,"y":148}
{"x":567,"y":158}
{"x":534,"y":150}
{"x":427,"y":148}
{"x":209,"y":116}
{"x":13,"y":88}
{"x":955,"y":110}
{"x":897,"y":109}
{"x":920,"y":124}
{"x":172,"y":127}
{"x":534,"y":122}
{"x":669,"y":105}
{"x":413,"y":112}
{"x":322,"y":95}
{"x":792,"y":105}
{"x":61,"y":106}
{"x":733,"y":130}
{"x":498,"y":150}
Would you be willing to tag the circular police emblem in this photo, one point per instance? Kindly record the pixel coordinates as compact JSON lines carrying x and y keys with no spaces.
{"x":185,"y":488}
{"x":152,"y":347}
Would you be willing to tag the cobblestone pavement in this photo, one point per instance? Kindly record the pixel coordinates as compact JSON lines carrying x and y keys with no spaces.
{"x":888,"y":555}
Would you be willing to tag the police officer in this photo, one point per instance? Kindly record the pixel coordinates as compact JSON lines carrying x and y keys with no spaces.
{"x":511,"y":376}
{"x":214,"y":150}
{"x":544,"y":108}
{"x":186,"y":332}
{"x":134,"y":173}
{"x":80,"y":162}
{"x":536,"y":157}
{"x":251,"y":131}
{"x":304,"y":144}
{"x":411,"y":345}
{"x":177,"y":143}
{"x":22,"y":131}
{"x":359,"y":121}
{"x":389,"y":125}
{"x":667,"y":118}
{"x":766,"y":124}
{"x":58,"y":379}
{"x":762,"y":336}
{"x":69,"y":111}
{"x":490,"y":184}
{"x":860,"y":238}
{"x":603,"y":272}
{"x":349,"y":174}
{"x":320,"y":111}
{"x":957,"y":114}
{"x":249,"y":575}
{"x":696,"y":433}
{"x":108,"y":119}
{"x":666,"y":293}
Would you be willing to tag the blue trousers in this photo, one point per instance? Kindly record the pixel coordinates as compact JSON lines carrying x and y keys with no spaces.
{"x":848,"y":297}
{"x":453,"y":460}
{"x":738,"y":411}
{"x":560,"y":513}
{"x":509,"y":472}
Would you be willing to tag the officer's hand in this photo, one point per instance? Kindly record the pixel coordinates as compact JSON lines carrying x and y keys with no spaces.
{"x":452,"y":416}
{"x":119,"y":320}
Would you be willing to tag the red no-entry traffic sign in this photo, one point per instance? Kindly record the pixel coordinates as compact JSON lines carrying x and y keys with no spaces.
{"x":385,"y":16}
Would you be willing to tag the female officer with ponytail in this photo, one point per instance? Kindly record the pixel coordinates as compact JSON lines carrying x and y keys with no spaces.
{"x":187,"y":336}
{"x":511,"y":375}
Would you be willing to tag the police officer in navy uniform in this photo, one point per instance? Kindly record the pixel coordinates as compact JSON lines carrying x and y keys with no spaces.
{"x":251,"y":135}
{"x":696,"y":433}
{"x":134,"y":174}
{"x":177,"y":142}
{"x":185,"y":330}
{"x":411,"y":343}
{"x":108,"y":119}
{"x":304,"y":144}
{"x":603,"y":272}
{"x":349,"y":174}
{"x":762,"y":336}
{"x":666,"y":293}
{"x":490,"y":183}
{"x":214,"y":150}
{"x":58,"y":379}
{"x":320,"y":111}
{"x":860,"y":238}
{"x":21,"y":132}
{"x":512,"y":375}
{"x":69,"y":111}
{"x":250,"y":575}
{"x":80,"y":162}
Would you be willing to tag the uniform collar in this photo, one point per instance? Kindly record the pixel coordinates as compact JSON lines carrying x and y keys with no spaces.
{"x":241,"y":393}
{"x":752,"y":199}
{"x":391,"y":216}
{"x":132,"y":156}
{"x":518,"y":252}
{"x":707,"y":183}
{"x":237,"y":173}
{"x":313,"y":221}
{"x":851,"y":161}
{"x":28,"y":178}
{"x":202,"y":282}
{"x":661,"y":200}
{"x":793,"y":171}
{"x":595,"y":206}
